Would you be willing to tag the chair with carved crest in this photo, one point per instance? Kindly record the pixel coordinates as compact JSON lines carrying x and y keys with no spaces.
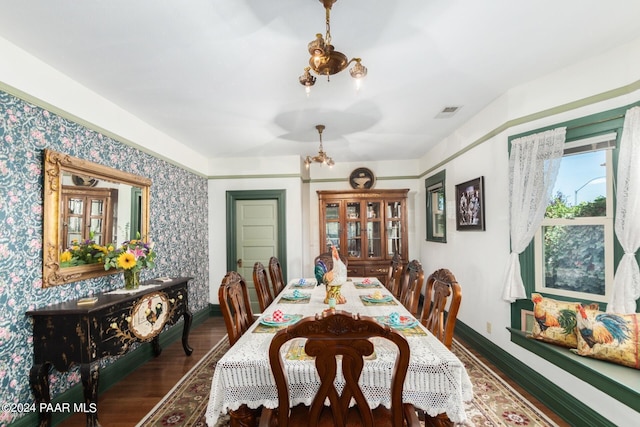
{"x":438,"y":313}
{"x":235,"y":305}
{"x":332,"y":339}
{"x":261,"y":283}
{"x":394,"y":275}
{"x":277,"y":279}
{"x":411,"y":287}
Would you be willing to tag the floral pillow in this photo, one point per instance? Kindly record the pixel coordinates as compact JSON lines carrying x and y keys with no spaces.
{"x":555,"y":321}
{"x":608,"y":336}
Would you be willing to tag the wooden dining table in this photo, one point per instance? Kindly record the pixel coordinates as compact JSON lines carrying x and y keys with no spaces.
{"x":436,"y":381}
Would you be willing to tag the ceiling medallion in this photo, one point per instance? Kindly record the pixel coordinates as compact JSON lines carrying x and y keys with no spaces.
{"x":321,"y":157}
{"x":325,"y":60}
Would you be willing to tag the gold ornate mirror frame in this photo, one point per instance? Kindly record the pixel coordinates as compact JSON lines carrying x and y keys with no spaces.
{"x":55,"y":166}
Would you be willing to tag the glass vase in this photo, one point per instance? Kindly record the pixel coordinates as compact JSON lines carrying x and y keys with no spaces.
{"x":131,"y":279}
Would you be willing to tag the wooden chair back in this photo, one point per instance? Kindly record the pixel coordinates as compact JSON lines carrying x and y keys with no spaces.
{"x":261,"y":283}
{"x":394,"y":275}
{"x":277,"y":280}
{"x":438,"y":316}
{"x":411,"y":289}
{"x":234,"y":302}
{"x":346,"y":337}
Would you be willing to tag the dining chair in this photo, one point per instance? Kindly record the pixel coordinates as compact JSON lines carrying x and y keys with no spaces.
{"x":411,"y":287}
{"x":438,"y":316}
{"x":261,"y":283}
{"x":331,"y":337}
{"x":277,"y":280}
{"x":235,"y":305}
{"x":394,"y":274}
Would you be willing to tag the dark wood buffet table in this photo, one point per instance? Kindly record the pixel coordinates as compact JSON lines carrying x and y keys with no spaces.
{"x":73,"y":333}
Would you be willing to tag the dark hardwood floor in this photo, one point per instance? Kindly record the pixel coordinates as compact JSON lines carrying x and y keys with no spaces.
{"x":127,"y":402}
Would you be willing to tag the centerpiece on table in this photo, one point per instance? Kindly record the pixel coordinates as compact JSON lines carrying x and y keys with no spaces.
{"x":131,"y":257}
{"x":333,"y":279}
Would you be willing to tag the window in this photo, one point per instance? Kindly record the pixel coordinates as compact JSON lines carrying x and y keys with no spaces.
{"x":574,"y":245}
{"x":436,"y":211}
{"x":589,"y":144}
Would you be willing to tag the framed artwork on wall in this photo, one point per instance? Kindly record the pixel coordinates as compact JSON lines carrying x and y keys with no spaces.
{"x":470,"y":205}
{"x":436,"y":208}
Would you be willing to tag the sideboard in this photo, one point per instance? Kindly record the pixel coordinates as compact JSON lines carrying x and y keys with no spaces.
{"x":81,"y":332}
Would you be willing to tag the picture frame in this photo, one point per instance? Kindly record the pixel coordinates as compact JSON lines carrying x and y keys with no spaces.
{"x":470,"y":205}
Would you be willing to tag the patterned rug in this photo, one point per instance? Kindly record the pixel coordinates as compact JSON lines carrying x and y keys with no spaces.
{"x":494,"y":403}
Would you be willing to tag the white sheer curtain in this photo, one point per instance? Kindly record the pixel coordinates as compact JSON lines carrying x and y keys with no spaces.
{"x":626,"y":286}
{"x":533,"y":169}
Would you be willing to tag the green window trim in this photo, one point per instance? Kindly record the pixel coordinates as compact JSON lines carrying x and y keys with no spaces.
{"x":437,"y":183}
{"x":584,"y":127}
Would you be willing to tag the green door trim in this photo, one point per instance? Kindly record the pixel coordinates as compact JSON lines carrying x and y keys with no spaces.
{"x":280,"y":197}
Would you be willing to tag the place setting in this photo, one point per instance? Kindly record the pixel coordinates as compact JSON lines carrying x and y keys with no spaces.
{"x":377,"y":298}
{"x":367,"y":283}
{"x":295,"y":297}
{"x":408,"y":325}
{"x":276,"y":321}
{"x":304,"y":283}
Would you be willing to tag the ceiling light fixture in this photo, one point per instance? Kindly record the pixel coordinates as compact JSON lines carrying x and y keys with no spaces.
{"x":325,"y":61}
{"x":322,"y":157}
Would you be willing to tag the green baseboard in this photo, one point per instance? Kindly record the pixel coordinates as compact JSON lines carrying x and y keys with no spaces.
{"x":555,"y":398}
{"x":112,"y":374}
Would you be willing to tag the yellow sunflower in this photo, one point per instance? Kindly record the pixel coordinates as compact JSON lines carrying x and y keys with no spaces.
{"x":65,"y":256}
{"x":126,"y":261}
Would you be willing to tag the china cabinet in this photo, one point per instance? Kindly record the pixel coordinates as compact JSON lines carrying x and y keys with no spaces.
{"x":87,"y":213}
{"x":367,"y":226}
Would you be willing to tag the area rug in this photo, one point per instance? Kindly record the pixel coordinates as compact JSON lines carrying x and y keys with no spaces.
{"x":494,"y":403}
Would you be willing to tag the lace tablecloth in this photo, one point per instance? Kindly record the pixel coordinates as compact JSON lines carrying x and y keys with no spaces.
{"x":436,"y":382}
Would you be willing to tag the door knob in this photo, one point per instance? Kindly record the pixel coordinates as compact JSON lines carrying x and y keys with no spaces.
{"x":239,"y":262}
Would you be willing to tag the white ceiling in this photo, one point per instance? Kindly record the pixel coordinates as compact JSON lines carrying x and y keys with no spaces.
{"x":221,"y":76}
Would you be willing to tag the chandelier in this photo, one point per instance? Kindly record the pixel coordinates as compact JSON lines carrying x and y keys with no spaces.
{"x":321,"y":157}
{"x":325,"y":61}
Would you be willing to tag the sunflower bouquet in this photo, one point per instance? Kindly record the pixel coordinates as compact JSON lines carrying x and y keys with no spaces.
{"x":130,"y":257}
{"x":82,"y":253}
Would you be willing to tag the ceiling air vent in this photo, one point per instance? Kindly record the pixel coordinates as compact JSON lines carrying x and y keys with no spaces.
{"x":447,"y":112}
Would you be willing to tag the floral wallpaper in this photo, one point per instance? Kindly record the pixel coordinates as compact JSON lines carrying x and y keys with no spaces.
{"x":178,"y":226}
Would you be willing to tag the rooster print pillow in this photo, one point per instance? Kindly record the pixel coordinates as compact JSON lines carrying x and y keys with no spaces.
{"x":608,"y":336}
{"x":555,"y":321}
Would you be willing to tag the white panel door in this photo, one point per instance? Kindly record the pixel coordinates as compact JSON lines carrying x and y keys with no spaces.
{"x":256,"y":239}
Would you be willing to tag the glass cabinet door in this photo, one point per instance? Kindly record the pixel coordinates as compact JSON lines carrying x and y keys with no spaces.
{"x":374,"y":230}
{"x":394,"y":230}
{"x":74,"y":221}
{"x":332,"y":225}
{"x":96,"y":220}
{"x":354,"y":230}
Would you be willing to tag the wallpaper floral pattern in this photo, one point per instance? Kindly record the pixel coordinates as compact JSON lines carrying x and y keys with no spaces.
{"x":178,"y":227}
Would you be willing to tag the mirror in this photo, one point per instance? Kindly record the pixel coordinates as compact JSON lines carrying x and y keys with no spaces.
{"x":87,"y":201}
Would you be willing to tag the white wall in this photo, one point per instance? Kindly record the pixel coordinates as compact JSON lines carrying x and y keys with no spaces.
{"x":478,"y":259}
{"x":217,"y":223}
{"x":31,"y":79}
